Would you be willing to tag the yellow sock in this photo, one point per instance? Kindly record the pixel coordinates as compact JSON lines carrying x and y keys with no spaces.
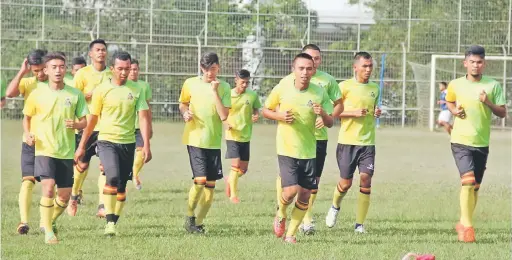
{"x":58,"y":208}
{"x":298,"y":213}
{"x":234,"y":174}
{"x":121,"y":199}
{"x":78,"y":179}
{"x":195,"y":194}
{"x":279,"y":189}
{"x":338,"y":196}
{"x":477,"y":187}
{"x":102,"y":179}
{"x":467,"y":200}
{"x":46,"y":209}
{"x":283,"y":205}
{"x":138,"y":162}
{"x":363,"y":203}
{"x":308,"y":218}
{"x":25,"y":199}
{"x":109,"y":199}
{"x":205,"y":202}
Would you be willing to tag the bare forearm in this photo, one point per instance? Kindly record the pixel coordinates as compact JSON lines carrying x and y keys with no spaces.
{"x":327,"y":119}
{"x":145,"y":126}
{"x":86,"y":134}
{"x":13,"y":88}
{"x":271,"y":114}
{"x":348,"y":114}
{"x":222,"y":111}
{"x":451,"y":107}
{"x":183,"y":107}
{"x":499,"y":111}
{"x":26,"y":124}
{"x":338,"y":109}
{"x":81,"y":124}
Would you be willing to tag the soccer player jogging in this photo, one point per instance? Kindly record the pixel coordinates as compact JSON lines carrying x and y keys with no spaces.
{"x":472,"y":99}
{"x":139,"y":154}
{"x":76,"y":64}
{"x":245,"y":105}
{"x":445,"y":116}
{"x":300,"y":102}
{"x":356,"y":142}
{"x":86,"y":80}
{"x":54,"y":107}
{"x":204,"y":104}
{"x":25,"y":86}
{"x":115,"y":104}
{"x":328,"y":82}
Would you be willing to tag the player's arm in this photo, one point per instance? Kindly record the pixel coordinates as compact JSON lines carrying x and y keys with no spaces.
{"x":272,"y":104}
{"x":92,"y":121}
{"x":223,"y":103}
{"x":29,"y":111}
{"x":497,"y":105}
{"x":451,"y":98}
{"x":256,"y":109}
{"x":145,"y":125}
{"x":184,"y":100}
{"x":325,"y":110}
{"x":13,"y":90}
{"x":81,"y":111}
{"x":80,"y":84}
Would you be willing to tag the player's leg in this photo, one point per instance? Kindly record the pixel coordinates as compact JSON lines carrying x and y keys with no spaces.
{"x":198,"y":163}
{"x":306,"y":183}
{"x":444,"y":120}
{"x":464,"y":160}
{"x":126,"y":153}
{"x":288,"y":168}
{"x":102,"y":179}
{"x":214,"y":173}
{"x":321,"y":152}
{"x":239,"y":152}
{"x":27,"y":185}
{"x":139,"y":160}
{"x":46,"y":169}
{"x":366,"y":166}
{"x":346,"y":157}
{"x":480,"y":158}
{"x":64,"y":182}
{"x":108,"y":154}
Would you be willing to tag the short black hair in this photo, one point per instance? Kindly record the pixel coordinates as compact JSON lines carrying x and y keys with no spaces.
{"x":311,"y":47}
{"x":475,"y":50}
{"x":78,"y":60}
{"x":35,"y":57}
{"x":120,"y":55}
{"x":243,"y":74}
{"x":362,"y":54}
{"x":444,"y":83}
{"x":135,"y":61}
{"x":209,"y":59}
{"x":303,"y":56}
{"x":61,"y":53}
{"x":54,"y":56}
{"x":97,"y":41}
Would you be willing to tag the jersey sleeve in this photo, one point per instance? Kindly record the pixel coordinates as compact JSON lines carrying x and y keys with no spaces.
{"x":498,"y":96}
{"x":334,"y":90}
{"x":450,"y":94}
{"x":149,"y":92}
{"x":342,"y":89}
{"x":185,"y":93}
{"x":29,"y":109}
{"x":97,"y":102}
{"x":141,"y":102}
{"x":257,"y":102}
{"x":226,"y":96}
{"x":22,"y":87}
{"x":79,"y":81}
{"x":81,"y":106}
{"x":326,"y":103}
{"x":273,"y":99}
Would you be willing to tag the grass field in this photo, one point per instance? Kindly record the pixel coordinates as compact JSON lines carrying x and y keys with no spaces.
{"x":414,"y":206}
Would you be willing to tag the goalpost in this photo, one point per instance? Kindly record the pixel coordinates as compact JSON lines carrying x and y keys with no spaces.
{"x":433,"y":85}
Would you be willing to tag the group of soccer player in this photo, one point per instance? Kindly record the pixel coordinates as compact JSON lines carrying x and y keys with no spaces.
{"x":103,"y":104}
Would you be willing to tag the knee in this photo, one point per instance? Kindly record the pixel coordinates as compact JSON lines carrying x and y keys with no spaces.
{"x":345,"y":184}
{"x":304,"y":195}
{"x":82,"y":166}
{"x":48,"y":190}
{"x":64,"y":196}
{"x":366,"y":180}
{"x":289,"y":193}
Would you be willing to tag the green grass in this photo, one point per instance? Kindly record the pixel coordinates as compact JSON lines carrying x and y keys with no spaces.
{"x":414,"y":206}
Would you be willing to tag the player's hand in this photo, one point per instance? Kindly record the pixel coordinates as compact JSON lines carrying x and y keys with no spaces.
{"x":79,"y":154}
{"x":25,"y":67}
{"x":460,"y":112}
{"x":228,"y":126}
{"x":147,"y":154}
{"x":287,"y":116}
{"x":88,"y":95}
{"x":317,"y":109}
{"x":70,"y":123}
{"x":360,"y":112}
{"x":483,"y":97}
{"x":377,"y":112}
{"x":319,"y":123}
{"x":30,"y":139}
{"x":188,"y":115}
{"x":255,"y":117}
{"x":215,"y":85}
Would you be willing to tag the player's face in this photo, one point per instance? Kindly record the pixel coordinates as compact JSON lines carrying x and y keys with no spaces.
{"x":75,"y":68}
{"x":134,"y":72}
{"x":121,"y":70}
{"x":211,"y":73}
{"x":441,"y":87}
{"x":317,"y":57}
{"x":242,"y":84}
{"x":303,"y":70}
{"x":55,"y":69}
{"x":38,"y":72}
{"x":98,"y":52}
{"x":363,"y":68}
{"x":474,"y":65}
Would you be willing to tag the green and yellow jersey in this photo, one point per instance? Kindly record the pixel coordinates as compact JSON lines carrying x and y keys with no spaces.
{"x":240,"y":115}
{"x":148,"y":93}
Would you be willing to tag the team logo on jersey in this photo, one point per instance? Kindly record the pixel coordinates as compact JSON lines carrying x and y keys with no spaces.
{"x":67,"y":102}
{"x":130,"y":96}
{"x":372,"y":94}
{"x":247,"y":102}
{"x":310,"y":103}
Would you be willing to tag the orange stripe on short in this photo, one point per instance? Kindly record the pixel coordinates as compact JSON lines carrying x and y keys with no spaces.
{"x":235,"y":169}
{"x":314,"y":191}
{"x":109,"y":190}
{"x":121,"y":196}
{"x":200,"y":180}
{"x":467,"y":179}
{"x":79,"y":169}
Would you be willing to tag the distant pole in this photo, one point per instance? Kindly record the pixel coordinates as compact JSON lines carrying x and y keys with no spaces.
{"x":381,"y":85}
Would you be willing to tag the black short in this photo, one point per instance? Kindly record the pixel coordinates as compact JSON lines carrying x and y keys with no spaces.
{"x":27,"y":160}
{"x":139,"y":142}
{"x":117,"y":160}
{"x":468,"y":158}
{"x":90,"y":147}
{"x":61,"y":170}
{"x":205,"y":163}
{"x":351,"y":156}
{"x":321,"y":153}
{"x":236,"y":149}
{"x":295,"y":171}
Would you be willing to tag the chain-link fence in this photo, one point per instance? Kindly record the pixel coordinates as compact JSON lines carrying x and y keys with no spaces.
{"x":262,"y":36}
